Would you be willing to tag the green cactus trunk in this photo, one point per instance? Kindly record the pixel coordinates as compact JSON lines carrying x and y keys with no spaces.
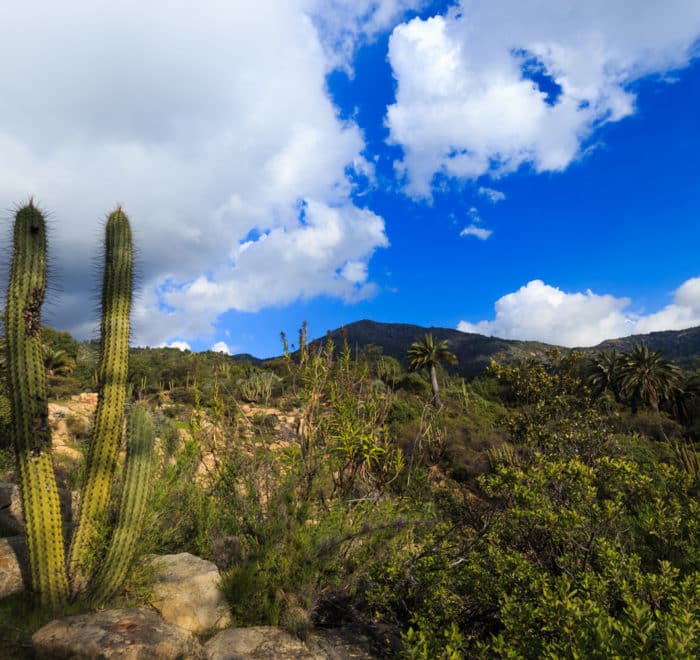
{"x":140,"y":439}
{"x":30,"y":427}
{"x":113,"y":371}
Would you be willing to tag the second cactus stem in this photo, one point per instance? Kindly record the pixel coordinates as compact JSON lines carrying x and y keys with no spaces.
{"x":140,"y":438}
{"x":113,"y":372}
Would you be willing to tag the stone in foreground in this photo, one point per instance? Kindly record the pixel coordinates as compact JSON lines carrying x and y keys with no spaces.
{"x":13,"y":562}
{"x":259,"y":642}
{"x":127,"y":634}
{"x":186,"y":592}
{"x":270,"y":643}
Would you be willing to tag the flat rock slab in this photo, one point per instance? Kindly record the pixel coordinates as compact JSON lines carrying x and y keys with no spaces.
{"x":127,"y":634}
{"x":270,"y":643}
{"x":186,"y":592}
{"x":259,"y":642}
{"x":341,"y":644}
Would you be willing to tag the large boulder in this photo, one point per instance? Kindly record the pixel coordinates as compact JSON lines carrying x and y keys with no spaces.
{"x":13,"y":564}
{"x":127,"y":634}
{"x":186,"y":592}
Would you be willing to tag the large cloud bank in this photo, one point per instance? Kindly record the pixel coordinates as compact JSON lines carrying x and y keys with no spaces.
{"x":491,"y":86}
{"x":213,"y":126}
{"x":538,"y":311}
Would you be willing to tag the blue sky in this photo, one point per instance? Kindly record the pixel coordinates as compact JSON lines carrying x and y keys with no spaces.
{"x":528,"y":170}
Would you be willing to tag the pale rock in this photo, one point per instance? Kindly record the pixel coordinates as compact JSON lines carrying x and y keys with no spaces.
{"x":186,"y":592}
{"x":13,"y":561}
{"x":126,"y":634}
{"x":259,"y":642}
{"x":270,"y":643}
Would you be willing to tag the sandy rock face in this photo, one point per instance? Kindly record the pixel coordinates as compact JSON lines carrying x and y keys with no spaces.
{"x":260,"y":642}
{"x":186,"y":592}
{"x":128,"y":634}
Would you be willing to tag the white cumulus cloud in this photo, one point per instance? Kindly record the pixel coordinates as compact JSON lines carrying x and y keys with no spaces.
{"x":221,"y":347}
{"x":212,"y":125}
{"x":467,"y":103}
{"x":181,"y":345}
{"x":344,"y":24}
{"x":540,"y":312}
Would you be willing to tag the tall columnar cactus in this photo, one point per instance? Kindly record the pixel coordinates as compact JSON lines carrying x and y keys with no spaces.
{"x":139,"y":447}
{"x":32,"y":436}
{"x":30,"y":428}
{"x":113,"y":372}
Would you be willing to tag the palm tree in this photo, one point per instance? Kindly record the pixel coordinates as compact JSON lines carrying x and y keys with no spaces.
{"x":426,"y":353}
{"x":646,"y":376}
{"x":603,"y":373}
{"x":57,"y":362}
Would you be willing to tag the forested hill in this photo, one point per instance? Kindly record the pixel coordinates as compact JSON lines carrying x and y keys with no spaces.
{"x":681,"y":346}
{"x":474,"y":351}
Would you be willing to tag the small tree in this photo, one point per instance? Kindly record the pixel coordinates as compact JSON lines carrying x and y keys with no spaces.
{"x":427,"y":353}
{"x":649,"y":378}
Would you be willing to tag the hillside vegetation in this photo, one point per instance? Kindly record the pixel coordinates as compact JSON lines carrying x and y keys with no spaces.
{"x":548,"y":508}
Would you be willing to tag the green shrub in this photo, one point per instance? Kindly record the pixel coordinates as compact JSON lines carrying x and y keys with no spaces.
{"x":413,"y":383}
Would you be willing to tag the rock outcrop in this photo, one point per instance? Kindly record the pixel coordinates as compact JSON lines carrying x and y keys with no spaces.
{"x":186,"y":592}
{"x":127,"y":634}
{"x":270,"y":643}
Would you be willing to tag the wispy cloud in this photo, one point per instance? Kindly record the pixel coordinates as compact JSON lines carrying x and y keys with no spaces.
{"x":474,"y":230}
{"x":494,"y":196}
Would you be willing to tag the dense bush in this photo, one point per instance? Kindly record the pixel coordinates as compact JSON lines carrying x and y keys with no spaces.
{"x":528,"y":516}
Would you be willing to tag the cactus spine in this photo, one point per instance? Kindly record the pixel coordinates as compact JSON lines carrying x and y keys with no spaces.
{"x":112,"y":373}
{"x":30,"y":428}
{"x":32,"y":436}
{"x":140,"y":438}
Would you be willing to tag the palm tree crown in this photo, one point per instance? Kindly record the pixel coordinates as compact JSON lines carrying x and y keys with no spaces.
{"x":428,"y":353}
{"x":603,"y":373}
{"x":646,"y":376}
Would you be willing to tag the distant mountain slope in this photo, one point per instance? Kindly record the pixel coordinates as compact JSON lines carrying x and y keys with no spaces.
{"x":474,"y":351}
{"x":681,"y":346}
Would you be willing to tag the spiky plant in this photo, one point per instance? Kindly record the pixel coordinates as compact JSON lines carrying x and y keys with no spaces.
{"x":109,"y":418}
{"x":30,"y":412}
{"x":30,"y":428}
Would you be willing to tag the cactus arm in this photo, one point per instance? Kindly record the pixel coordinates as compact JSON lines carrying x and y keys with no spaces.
{"x":30,"y":428}
{"x":113,"y":371}
{"x":139,"y":460}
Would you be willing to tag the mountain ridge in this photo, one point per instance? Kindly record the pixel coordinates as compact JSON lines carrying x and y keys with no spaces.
{"x":474,"y":351}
